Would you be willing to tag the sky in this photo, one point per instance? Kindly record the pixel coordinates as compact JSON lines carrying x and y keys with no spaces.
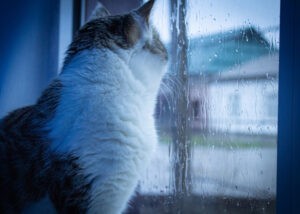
{"x":211,"y":16}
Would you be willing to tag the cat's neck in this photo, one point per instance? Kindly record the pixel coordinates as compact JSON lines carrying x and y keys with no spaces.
{"x":94,"y":82}
{"x":110,"y":68}
{"x":97,"y":66}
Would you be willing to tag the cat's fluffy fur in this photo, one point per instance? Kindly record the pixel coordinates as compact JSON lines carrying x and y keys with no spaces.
{"x":90,"y":135}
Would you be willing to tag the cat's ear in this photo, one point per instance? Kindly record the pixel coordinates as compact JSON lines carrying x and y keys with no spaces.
{"x":133,"y":29}
{"x":99,"y":12}
{"x":145,"y":10}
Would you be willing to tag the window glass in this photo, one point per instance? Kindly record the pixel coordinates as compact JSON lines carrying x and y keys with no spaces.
{"x":228,"y":152}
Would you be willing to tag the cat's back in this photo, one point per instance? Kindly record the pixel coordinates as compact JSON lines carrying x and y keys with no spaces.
{"x":14,"y":133}
{"x":18,"y":145}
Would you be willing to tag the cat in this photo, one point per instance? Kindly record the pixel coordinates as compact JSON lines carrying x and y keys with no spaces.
{"x":86,"y":141}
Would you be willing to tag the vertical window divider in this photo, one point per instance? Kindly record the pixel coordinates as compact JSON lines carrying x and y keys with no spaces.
{"x":180,"y":147}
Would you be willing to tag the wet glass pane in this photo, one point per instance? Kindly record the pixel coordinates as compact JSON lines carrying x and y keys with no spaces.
{"x":217,"y":109}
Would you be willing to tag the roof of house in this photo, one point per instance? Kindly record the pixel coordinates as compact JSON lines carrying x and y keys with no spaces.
{"x":226,"y":50}
{"x":264,"y":67}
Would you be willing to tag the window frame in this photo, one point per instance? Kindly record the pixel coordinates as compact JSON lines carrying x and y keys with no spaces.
{"x":288,"y":161}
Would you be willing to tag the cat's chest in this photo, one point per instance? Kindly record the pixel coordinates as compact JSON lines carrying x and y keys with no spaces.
{"x":112,"y":138}
{"x":124,"y":126}
{"x":96,"y":117}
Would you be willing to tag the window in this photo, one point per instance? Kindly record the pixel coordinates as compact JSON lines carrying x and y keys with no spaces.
{"x":271,"y":99}
{"x":217,"y":151}
{"x":227,"y":146}
{"x":234,"y":105}
{"x":233,"y":51}
{"x":195,"y":109}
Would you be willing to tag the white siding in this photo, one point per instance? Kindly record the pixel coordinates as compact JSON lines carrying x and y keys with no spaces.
{"x":252,"y":113}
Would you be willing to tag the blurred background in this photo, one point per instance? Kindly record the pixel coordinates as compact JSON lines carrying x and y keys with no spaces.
{"x":29,"y":50}
{"x":216,"y":113}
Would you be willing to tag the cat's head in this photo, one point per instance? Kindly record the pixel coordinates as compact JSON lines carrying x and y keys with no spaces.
{"x":131,"y":36}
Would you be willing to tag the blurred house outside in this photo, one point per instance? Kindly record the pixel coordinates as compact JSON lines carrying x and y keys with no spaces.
{"x":233,"y":84}
{"x":233,"y":93}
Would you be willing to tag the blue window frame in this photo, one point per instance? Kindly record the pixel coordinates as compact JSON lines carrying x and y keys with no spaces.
{"x":288,"y":162}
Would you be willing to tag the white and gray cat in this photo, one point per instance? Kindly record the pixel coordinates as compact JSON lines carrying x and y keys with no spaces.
{"x":85,"y":142}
